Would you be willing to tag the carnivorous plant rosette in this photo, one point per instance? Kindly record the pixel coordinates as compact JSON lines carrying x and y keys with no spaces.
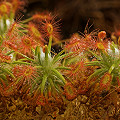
{"x":43,"y":75}
{"x":108,"y":65}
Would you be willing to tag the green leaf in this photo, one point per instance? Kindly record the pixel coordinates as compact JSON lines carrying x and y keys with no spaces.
{"x":98,"y":72}
{"x":59,"y":75}
{"x":37,"y":50}
{"x":27,"y":20}
{"x":59,"y":83}
{"x":46,"y":54}
{"x":25,"y":56}
{"x":33,"y":50}
{"x":20,"y":62}
{"x":65,"y":68}
{"x":38,"y":66}
{"x":105,"y":59}
{"x":43,"y":83}
{"x":93,"y":63}
{"x":10,"y":52}
{"x":60,"y":57}
{"x":111,"y":68}
{"x":24,"y":59}
{"x":58,"y":88}
{"x":50,"y":44}
{"x":39,"y":57}
{"x":51,"y":82}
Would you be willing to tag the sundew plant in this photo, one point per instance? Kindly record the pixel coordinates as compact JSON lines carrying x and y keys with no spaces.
{"x":87,"y":65}
{"x":27,"y":64}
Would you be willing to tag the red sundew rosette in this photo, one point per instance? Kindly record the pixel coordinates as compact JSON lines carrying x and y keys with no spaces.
{"x":13,"y":31}
{"x":89,"y":41}
{"x":50,"y":27}
{"x":24,"y":76}
{"x":76,"y":69}
{"x":70,"y":92}
{"x":74,"y":44}
{"x":17,"y":71}
{"x":29,"y":74}
{"x":26,"y":73}
{"x":26,"y":44}
{"x":105,"y":81}
{"x":79,"y":44}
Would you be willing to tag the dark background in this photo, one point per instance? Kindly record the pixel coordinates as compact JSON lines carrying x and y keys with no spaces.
{"x":74,"y":14}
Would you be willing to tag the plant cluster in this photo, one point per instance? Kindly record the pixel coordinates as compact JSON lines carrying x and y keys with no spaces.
{"x":27,"y":64}
{"x":88,"y":64}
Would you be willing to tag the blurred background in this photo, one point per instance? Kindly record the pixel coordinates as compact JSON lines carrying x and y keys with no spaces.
{"x":74,"y":14}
